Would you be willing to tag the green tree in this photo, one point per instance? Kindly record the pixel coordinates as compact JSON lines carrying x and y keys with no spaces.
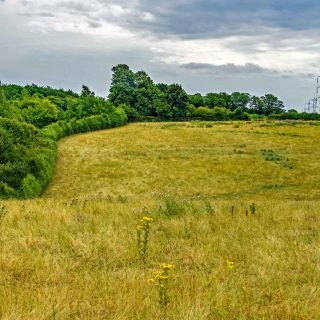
{"x":175,"y":102}
{"x":190,"y":110}
{"x":216,"y":100}
{"x":2,"y":95}
{"x":86,"y":92}
{"x":145,"y":94}
{"x":239,"y":101}
{"x":256,"y":105}
{"x":122,"y":86}
{"x":272,"y":104}
{"x":196,"y":99}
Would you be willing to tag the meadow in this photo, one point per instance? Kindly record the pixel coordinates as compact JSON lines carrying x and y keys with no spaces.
{"x":235,"y":209}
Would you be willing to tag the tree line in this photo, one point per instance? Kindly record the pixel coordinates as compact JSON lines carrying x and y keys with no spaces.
{"x":141,"y":97}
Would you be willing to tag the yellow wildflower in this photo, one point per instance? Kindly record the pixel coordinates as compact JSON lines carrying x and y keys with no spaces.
{"x":147,"y":219}
{"x":230,"y":264}
{"x":166,"y":266}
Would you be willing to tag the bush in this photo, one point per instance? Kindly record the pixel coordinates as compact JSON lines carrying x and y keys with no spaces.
{"x":221,"y":114}
{"x":203,"y":113}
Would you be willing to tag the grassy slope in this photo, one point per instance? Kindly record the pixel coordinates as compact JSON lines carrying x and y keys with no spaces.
{"x":72,"y":254}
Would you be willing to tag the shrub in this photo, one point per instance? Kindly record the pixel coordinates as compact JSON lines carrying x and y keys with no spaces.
{"x":221,"y":113}
{"x":204,"y":113}
{"x":170,"y":206}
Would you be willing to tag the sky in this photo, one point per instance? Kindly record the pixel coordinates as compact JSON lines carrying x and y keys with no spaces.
{"x":265,"y":46}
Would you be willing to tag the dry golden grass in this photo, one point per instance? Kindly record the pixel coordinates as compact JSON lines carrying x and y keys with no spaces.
{"x":72,"y":254}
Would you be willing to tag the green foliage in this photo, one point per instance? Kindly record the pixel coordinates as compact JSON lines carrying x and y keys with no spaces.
{"x":2,"y":95}
{"x":216,"y":99}
{"x":204,"y":113}
{"x":239,"y":101}
{"x":144,"y":98}
{"x":270,"y":155}
{"x":39,"y":112}
{"x":190,"y":110}
{"x":31,"y":186}
{"x":122,"y":86}
{"x":135,"y":90}
{"x":196,"y":99}
{"x":172,"y":103}
{"x":294,"y":115}
{"x":30,"y":130}
{"x":24,"y":160}
{"x":14,"y":92}
{"x":170,"y":206}
{"x":272,"y":104}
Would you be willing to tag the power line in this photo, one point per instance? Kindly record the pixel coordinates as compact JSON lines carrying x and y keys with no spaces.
{"x":313,"y":105}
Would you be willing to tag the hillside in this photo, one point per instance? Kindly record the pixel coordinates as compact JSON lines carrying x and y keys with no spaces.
{"x":234,"y":208}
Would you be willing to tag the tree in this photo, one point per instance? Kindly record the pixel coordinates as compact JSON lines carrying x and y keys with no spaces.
{"x":272,"y":104}
{"x":2,"y":95}
{"x":175,"y":102}
{"x":86,"y":92}
{"x":162,"y":87}
{"x":136,"y":90}
{"x":196,"y":99}
{"x":215,"y":100}
{"x":239,"y":100}
{"x":256,"y":105}
{"x":145,"y":94}
{"x":122,"y":86}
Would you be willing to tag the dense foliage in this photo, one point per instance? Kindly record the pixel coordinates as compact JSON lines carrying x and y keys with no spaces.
{"x":142,"y":97}
{"x":32,"y":120}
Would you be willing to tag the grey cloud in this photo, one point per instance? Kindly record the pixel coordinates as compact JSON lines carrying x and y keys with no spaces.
{"x":46,"y":14}
{"x":229,"y":68}
{"x":76,"y":6}
{"x":216,"y":18}
{"x":94,"y":24}
{"x":194,"y":19}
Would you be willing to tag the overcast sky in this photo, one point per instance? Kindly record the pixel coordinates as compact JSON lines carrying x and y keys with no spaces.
{"x":256,"y":46}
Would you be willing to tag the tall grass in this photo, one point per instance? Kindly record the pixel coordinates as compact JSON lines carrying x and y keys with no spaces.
{"x":72,"y":254}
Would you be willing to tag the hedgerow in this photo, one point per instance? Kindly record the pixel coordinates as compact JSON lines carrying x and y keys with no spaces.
{"x":28,"y":155}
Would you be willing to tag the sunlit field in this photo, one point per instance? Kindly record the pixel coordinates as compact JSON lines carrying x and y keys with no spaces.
{"x":235,"y":209}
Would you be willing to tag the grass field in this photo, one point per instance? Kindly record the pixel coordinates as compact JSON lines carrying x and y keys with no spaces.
{"x":235,"y":209}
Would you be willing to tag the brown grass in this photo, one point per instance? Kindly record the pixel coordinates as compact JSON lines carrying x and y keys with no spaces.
{"x":72,"y":254}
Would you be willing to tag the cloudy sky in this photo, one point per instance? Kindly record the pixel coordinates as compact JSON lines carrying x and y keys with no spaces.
{"x":206,"y":45}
